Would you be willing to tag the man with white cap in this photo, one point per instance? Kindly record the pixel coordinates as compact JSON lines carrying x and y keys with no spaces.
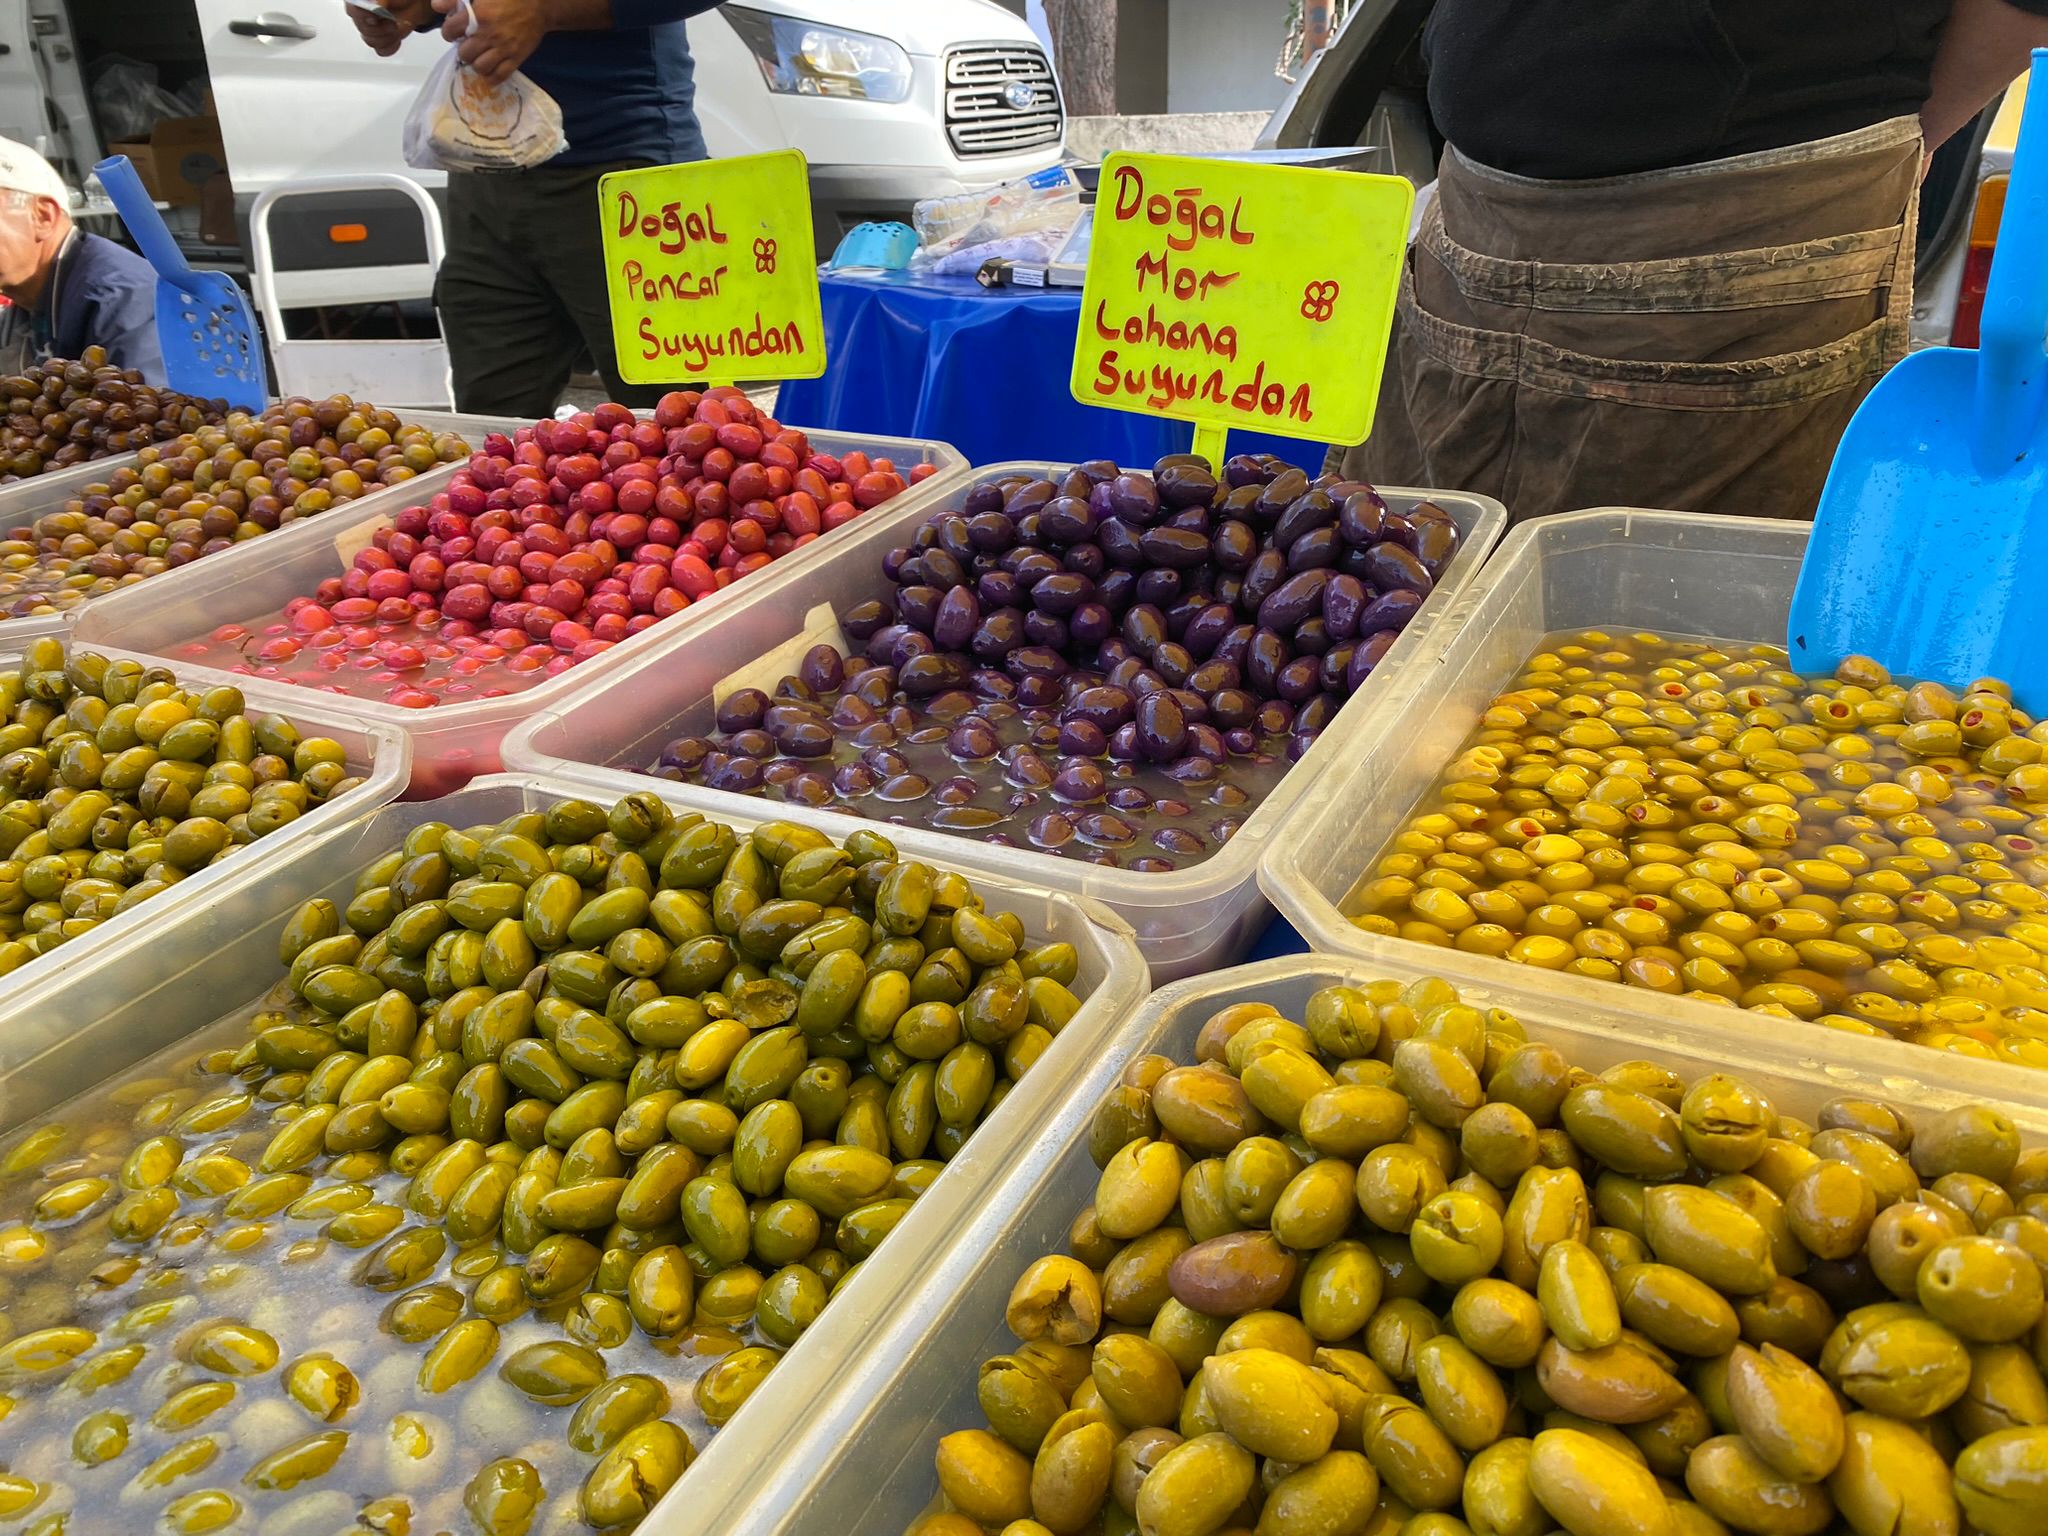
{"x":76,"y":289}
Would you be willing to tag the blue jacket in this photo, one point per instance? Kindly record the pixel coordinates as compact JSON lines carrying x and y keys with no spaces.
{"x":101,"y":294}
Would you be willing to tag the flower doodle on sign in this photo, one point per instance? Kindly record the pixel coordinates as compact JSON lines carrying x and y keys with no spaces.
{"x":1318,"y":300}
{"x":764,"y":255}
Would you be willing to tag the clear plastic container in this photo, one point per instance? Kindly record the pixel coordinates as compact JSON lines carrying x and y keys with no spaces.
{"x":380,"y":754}
{"x":1677,"y":573}
{"x":1188,"y":921}
{"x":452,"y":743}
{"x":26,"y":500}
{"x":59,"y":1037}
{"x":861,"y":1462}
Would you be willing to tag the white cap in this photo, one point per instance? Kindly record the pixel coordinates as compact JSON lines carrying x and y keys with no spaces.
{"x":23,"y":170}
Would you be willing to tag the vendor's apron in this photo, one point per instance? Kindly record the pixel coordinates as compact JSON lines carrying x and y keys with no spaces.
{"x":1693,"y":338}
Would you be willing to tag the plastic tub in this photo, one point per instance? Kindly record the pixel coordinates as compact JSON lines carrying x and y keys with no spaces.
{"x":452,"y":743}
{"x":1189,"y":920}
{"x":1679,"y":573}
{"x":60,"y":1036}
{"x":382,"y":755}
{"x":27,"y":500}
{"x":862,"y":1462}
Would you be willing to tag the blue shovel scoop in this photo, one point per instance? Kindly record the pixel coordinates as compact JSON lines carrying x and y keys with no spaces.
{"x":1930,"y":550}
{"x":203,"y":321}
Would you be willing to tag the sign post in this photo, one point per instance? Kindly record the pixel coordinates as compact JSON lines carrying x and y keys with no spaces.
{"x":711,"y":272}
{"x":1232,"y":293}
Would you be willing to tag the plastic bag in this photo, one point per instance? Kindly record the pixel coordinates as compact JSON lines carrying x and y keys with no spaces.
{"x":128,"y":100}
{"x":458,"y":123}
{"x":1045,"y":203}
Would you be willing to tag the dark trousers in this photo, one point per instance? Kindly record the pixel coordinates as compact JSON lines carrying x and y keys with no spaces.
{"x":522,"y":291}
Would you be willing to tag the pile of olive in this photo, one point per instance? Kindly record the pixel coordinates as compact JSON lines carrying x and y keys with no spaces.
{"x":1396,"y":1268}
{"x":63,"y":412}
{"x":1703,"y":821}
{"x":115,"y":784}
{"x":208,"y":489}
{"x":610,"y":1101}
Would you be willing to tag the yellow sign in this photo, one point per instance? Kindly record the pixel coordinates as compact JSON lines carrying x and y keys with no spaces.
{"x":1235,"y":294}
{"x":711,"y":271}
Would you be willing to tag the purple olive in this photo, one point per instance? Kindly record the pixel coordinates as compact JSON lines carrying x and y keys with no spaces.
{"x":1204,"y":740}
{"x":973,"y":741}
{"x":1312,"y":509}
{"x":1389,"y":611}
{"x":1079,"y":782}
{"x":1173,"y":662}
{"x":905,"y":786}
{"x":1242,"y":469}
{"x":1091,"y":624}
{"x":686,"y":753}
{"x":1050,"y":830}
{"x":1031,"y":566}
{"x":952,"y":535}
{"x":1084,"y":560}
{"x":1299,"y":680}
{"x":1185,"y":485}
{"x":1029,"y":497}
{"x":1361,"y":517}
{"x":1396,"y":529}
{"x":1081,"y":738}
{"x":918,"y":606}
{"x":1145,"y":628}
{"x":1061,"y":593}
{"x":1174,"y":548}
{"x":895,"y":561}
{"x":854,"y":779}
{"x":1312,"y":636}
{"x":1035,"y":661}
{"x":1193,"y":706}
{"x":742,"y":710}
{"x":958,"y":790}
{"x":1367,"y":656}
{"x":1344,"y":599}
{"x":784,"y":712}
{"x":986,"y":497}
{"x":863,"y":619}
{"x":876,"y":733}
{"x":1318,"y":547}
{"x":805,"y":738}
{"x":1335,"y":666}
{"x":1206,"y":628}
{"x":1068,"y":520}
{"x":1047,"y":630}
{"x":1105,"y":708}
{"x":1235,"y":644}
{"x":1242,"y":741}
{"x":990,"y":685}
{"x":874,"y":686}
{"x":1134,"y":499}
{"x":1030,"y":530}
{"x":1228,"y":588}
{"x":1105,"y":830}
{"x":1162,"y":728}
{"x":1280,"y":493}
{"x":1038,"y":691}
{"x":1275,"y":716}
{"x":1435,"y":543}
{"x":1267,"y":654}
{"x":942,"y":570}
{"x":1292,"y":601}
{"x":1311,"y":719}
{"x":1177,"y":840}
{"x":997,"y":589}
{"x":1117,"y":589}
{"x":910,"y":644}
{"x":1234,"y":545}
{"x":998,"y":634}
{"x":991,"y":532}
{"x":741,"y":775}
{"x":1192,"y":770}
{"x":1262,"y":580}
{"x":1158,"y":587}
{"x":955,"y":619}
{"x":881,"y":645}
{"x":923,"y":676}
{"x":1120,"y":545}
{"x":1391,"y":566}
{"x":1213,"y":675}
{"x":823,"y":669}
{"x":1192,"y":520}
{"x":752,"y":743}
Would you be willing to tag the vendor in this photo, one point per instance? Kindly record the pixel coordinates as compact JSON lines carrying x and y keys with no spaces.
{"x":1671,"y":247}
{"x":76,"y":290}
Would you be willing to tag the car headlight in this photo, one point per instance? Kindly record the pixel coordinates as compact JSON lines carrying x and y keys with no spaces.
{"x":798,"y":58}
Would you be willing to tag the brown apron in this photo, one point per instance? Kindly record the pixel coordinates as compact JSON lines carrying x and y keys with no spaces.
{"x":1693,"y":338}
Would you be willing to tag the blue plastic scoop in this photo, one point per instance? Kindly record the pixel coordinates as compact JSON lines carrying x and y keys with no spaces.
{"x":203,"y":321}
{"x":1930,"y":550}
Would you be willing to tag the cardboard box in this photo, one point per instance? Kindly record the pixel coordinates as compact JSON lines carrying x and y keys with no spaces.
{"x":177,"y":159}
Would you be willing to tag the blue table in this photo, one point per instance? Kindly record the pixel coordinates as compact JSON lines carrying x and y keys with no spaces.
{"x":984,"y":369}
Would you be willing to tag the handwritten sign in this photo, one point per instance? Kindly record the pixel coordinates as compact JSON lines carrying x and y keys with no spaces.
{"x":1235,"y":294}
{"x":711,"y":270}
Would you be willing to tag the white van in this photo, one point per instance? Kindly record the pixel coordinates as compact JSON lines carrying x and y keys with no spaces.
{"x":889,"y":103}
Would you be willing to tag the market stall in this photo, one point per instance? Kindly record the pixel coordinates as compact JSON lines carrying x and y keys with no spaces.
{"x":816,"y":1088}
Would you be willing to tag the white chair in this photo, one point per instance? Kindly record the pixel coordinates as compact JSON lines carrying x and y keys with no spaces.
{"x":395,"y":373}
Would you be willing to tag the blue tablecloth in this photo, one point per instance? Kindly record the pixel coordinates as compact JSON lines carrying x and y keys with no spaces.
{"x":984,"y":369}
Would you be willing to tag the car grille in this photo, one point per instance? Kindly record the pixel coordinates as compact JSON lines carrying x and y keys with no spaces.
{"x":978,"y":119}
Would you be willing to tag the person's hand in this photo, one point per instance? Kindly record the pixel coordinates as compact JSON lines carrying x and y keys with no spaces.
{"x":507,"y":32}
{"x":384,"y":33}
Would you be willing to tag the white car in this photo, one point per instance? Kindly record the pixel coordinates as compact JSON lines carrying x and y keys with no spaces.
{"x":889,"y":103}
